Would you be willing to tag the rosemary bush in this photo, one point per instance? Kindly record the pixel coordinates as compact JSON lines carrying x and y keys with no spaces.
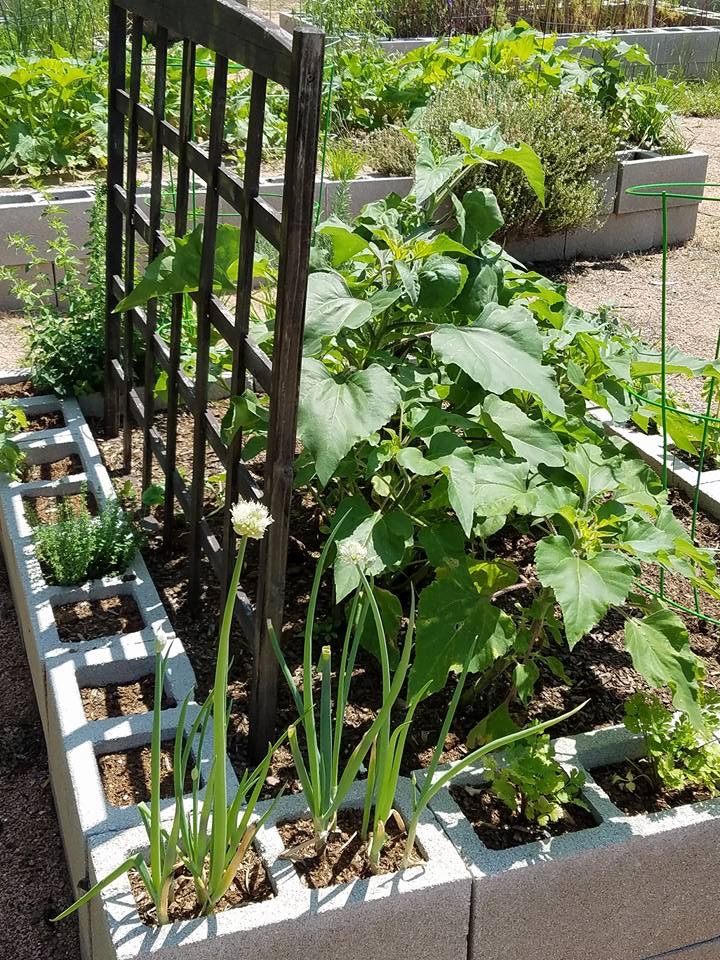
{"x":78,"y":547}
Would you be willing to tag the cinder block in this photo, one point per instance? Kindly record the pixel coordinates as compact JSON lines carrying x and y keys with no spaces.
{"x":628,"y":889}
{"x":689,"y":167}
{"x":421,"y":912}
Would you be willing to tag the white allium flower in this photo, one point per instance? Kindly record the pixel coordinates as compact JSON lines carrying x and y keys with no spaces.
{"x":352,"y":551}
{"x":161,"y":640}
{"x":250,"y":519}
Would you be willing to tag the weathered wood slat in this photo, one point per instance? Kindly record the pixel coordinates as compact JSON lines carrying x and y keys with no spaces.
{"x":204,"y":296}
{"x":154,"y":248}
{"x":182,"y":191}
{"x":297,"y":225}
{"x":229,"y":28}
{"x":113,"y":243}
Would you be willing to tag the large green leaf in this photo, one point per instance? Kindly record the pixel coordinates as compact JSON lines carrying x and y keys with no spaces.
{"x":660,"y":649}
{"x":530,"y":439}
{"x":345,"y":242}
{"x":501,"y":487}
{"x":440,"y":280}
{"x":330,"y":307}
{"x":480,"y":289}
{"x":584,"y":588}
{"x":432,"y":175}
{"x":488,"y":144}
{"x":453,"y":617}
{"x":480,"y":217}
{"x":501,"y":351}
{"x":337,"y":411}
{"x":447,"y":454}
{"x":592,"y":468}
{"x":178,"y":269}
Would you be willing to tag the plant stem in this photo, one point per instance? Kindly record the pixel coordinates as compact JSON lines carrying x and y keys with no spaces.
{"x":222,"y":666}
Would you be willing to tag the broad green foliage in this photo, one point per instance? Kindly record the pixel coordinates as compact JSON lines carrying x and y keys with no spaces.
{"x":52,"y":113}
{"x":679,"y":754}
{"x":12,"y":421}
{"x":529,"y":781}
{"x":453,"y":443}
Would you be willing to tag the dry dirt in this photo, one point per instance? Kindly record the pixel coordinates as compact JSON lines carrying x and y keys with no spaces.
{"x":12,"y":344}
{"x":632,"y":284}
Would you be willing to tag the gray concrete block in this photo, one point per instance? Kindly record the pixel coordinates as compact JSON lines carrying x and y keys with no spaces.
{"x":647,"y":168}
{"x":628,"y":888}
{"x":421,"y":912}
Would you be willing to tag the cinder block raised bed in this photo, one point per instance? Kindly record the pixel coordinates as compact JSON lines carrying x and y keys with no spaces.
{"x":680,"y":474}
{"x":421,"y":912}
{"x":629,"y":223}
{"x":631,"y":888}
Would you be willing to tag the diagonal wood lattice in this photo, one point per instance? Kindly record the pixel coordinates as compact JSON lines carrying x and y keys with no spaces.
{"x":236,"y":36}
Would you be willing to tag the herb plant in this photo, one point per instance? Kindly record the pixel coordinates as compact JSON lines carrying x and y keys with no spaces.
{"x":66,"y":339}
{"x":78,"y":547}
{"x":678,"y":754}
{"x":528,"y":779}
{"x":12,"y":421}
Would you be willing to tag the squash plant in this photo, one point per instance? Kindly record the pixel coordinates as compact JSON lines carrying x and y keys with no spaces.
{"x":443,"y":402}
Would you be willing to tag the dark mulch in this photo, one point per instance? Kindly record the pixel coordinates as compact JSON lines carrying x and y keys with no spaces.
{"x":345,"y":855}
{"x":91,"y":619}
{"x":709,"y":461}
{"x":648,"y":796}
{"x":55,"y":470}
{"x":46,"y":421}
{"x":126,"y":775}
{"x":122,"y":699}
{"x":499,"y":828}
{"x":16,"y":390}
{"x":47,"y":509}
{"x":251,"y":885}
{"x":34,"y":884}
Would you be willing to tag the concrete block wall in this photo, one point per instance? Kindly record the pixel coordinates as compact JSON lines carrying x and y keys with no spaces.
{"x":61,"y":669}
{"x":631,"y":888}
{"x":421,"y":912}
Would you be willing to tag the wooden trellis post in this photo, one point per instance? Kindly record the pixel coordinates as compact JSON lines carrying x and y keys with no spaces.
{"x":237,"y":36}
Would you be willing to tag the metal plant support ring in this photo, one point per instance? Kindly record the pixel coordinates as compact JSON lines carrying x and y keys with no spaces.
{"x":679,"y":191}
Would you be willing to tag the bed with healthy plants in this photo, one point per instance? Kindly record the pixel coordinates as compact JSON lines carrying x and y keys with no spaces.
{"x":576,"y":106}
{"x":489,"y":562}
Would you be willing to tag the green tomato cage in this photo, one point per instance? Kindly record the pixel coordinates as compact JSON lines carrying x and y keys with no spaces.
{"x":710,"y":423}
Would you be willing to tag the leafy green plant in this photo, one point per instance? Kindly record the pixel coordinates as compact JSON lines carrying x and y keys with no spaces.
{"x":212,"y":836}
{"x":528,"y":779}
{"x":65,"y":308}
{"x":570,"y":136}
{"x":443,"y":414}
{"x":678,"y":754}
{"x":52,"y":113}
{"x":700,"y":98}
{"x":325,"y":785}
{"x":38,"y":26}
{"x":338,"y":18}
{"x":78,"y":547}
{"x":12,"y":421}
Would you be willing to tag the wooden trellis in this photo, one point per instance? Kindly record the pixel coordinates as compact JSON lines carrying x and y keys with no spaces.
{"x":235,"y":35}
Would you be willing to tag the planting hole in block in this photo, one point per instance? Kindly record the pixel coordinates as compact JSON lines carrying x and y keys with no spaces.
{"x":52,"y":420}
{"x":55,"y":470}
{"x":90,"y":619}
{"x":646,"y":794}
{"x":500,"y":829}
{"x":47,"y":509}
{"x":122,"y":699}
{"x":345,"y":856}
{"x":251,"y":885}
{"x":11,"y":390}
{"x":126,"y":775}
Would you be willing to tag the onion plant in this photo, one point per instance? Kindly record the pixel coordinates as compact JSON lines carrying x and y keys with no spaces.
{"x":324,"y":784}
{"x":206,"y":835}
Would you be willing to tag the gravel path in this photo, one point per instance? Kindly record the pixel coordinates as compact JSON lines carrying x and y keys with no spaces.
{"x":632,"y":283}
{"x":12,"y":343}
